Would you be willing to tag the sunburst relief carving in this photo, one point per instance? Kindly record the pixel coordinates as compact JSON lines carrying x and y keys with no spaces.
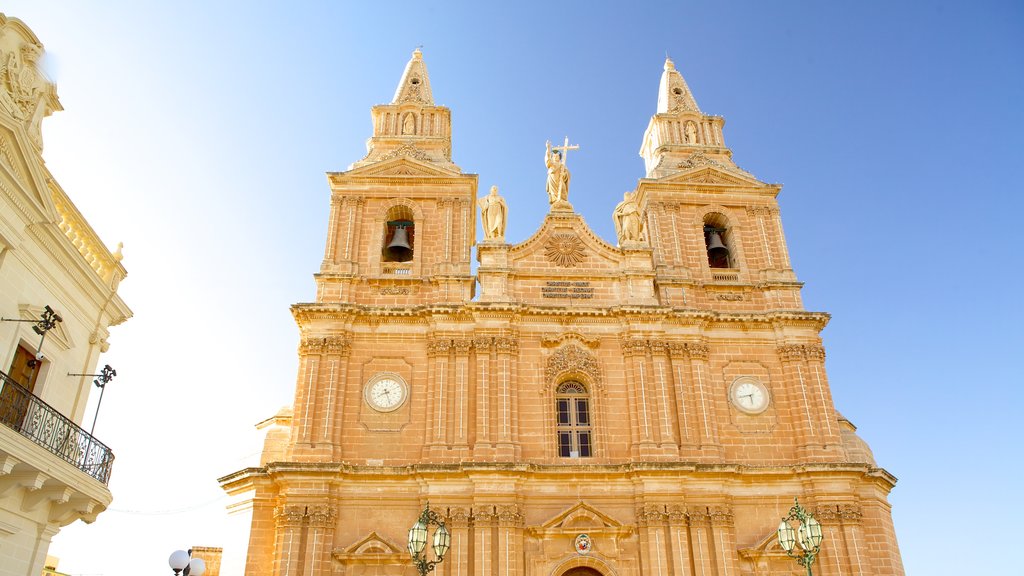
{"x":564,"y":250}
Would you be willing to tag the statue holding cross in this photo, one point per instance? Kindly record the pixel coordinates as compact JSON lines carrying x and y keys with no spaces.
{"x":558,"y":174}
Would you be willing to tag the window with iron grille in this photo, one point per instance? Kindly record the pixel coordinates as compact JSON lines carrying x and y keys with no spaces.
{"x":572,"y":412}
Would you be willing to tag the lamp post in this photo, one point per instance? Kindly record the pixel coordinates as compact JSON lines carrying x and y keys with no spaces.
{"x":101,"y":381}
{"x":807,"y":534}
{"x":184,"y":564}
{"x":418,"y":540}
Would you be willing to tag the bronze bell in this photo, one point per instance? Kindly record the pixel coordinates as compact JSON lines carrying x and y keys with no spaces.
{"x":718,"y":254}
{"x":398,"y":249}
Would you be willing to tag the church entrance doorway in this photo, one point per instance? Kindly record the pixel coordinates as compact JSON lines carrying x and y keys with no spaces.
{"x":581,"y":571}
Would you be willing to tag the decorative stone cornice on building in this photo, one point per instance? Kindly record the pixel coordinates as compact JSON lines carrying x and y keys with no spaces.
{"x":647,"y":514}
{"x":460,"y":517}
{"x":439,"y":346}
{"x":762,"y":210}
{"x":325,"y":345}
{"x":462,"y":345}
{"x":698,"y":516}
{"x":506,"y":345}
{"x":289,"y":515}
{"x":483,"y":344}
{"x":509,"y":515}
{"x":795,"y":352}
{"x":552,"y":340}
{"x":846,"y":513}
{"x":720,"y":515}
{"x":321,"y":515}
{"x":632,"y":346}
{"x":573,"y":359}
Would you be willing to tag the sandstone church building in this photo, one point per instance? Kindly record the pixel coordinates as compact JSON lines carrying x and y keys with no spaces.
{"x":575,"y":407}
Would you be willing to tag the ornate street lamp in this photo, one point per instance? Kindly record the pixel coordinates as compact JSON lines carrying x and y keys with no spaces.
{"x":418,"y":540}
{"x":184,"y":564}
{"x":807,"y":534}
{"x":101,"y":381}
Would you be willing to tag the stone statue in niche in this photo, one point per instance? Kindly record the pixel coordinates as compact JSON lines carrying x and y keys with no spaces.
{"x":493,"y":215}
{"x":629,"y":226}
{"x":691,"y":133}
{"x":409,"y":124}
{"x":558,"y":174}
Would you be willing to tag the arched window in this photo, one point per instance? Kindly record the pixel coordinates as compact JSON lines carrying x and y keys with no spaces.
{"x":399,"y":235}
{"x":572,"y":411}
{"x":717,"y":239}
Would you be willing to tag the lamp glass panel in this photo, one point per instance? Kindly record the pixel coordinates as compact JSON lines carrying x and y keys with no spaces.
{"x":787,"y":536}
{"x":814,"y":533}
{"x":442,"y":541}
{"x":417,"y":537}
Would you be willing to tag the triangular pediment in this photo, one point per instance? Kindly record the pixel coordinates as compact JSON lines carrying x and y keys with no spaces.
{"x":402,"y":166}
{"x":58,"y":333}
{"x":713,"y":175}
{"x":768,"y":546}
{"x":582,"y":518}
{"x":565,"y":243}
{"x":20,"y":170}
{"x":372,"y":544}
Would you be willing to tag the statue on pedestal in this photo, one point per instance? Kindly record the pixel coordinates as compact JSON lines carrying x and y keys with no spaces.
{"x":493,"y":215}
{"x":629,"y":226}
{"x":558,"y":174}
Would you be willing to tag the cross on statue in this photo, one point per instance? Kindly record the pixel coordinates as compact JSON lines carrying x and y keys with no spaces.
{"x":565,"y":149}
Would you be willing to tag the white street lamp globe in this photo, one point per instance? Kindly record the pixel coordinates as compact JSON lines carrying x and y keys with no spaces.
{"x":787,"y":536}
{"x":196,"y":567}
{"x":417,"y":537}
{"x":178,"y":560}
{"x":442,"y":541}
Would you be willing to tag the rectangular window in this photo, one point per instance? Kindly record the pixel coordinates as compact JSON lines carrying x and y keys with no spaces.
{"x":582,"y":414}
{"x":584,"y":440}
{"x":564,"y":444}
{"x":563,"y":412}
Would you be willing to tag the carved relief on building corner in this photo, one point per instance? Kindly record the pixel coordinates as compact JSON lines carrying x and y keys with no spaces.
{"x":554,"y":340}
{"x":338,"y":344}
{"x":571,"y":359}
{"x":834,"y":513}
{"x":459,"y":517}
{"x":289,"y":515}
{"x":506,"y":345}
{"x":508,"y":515}
{"x":321,"y":515}
{"x":27,"y":94}
{"x":408,"y":150}
{"x":794,"y":352}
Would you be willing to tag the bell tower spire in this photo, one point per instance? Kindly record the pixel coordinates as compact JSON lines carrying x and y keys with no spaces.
{"x":411,"y":125}
{"x":415,"y":83}
{"x":673,"y":93}
{"x":679,"y":132}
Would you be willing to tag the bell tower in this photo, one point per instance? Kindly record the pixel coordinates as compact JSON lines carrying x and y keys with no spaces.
{"x":401,"y":221}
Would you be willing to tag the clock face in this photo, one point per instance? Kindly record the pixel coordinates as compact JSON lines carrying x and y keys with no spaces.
{"x":750,"y":396}
{"x":385,"y":393}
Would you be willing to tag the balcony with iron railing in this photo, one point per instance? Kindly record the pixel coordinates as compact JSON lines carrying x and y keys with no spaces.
{"x":27,"y":414}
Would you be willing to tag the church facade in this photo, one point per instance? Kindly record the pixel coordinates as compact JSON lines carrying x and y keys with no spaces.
{"x":575,"y":407}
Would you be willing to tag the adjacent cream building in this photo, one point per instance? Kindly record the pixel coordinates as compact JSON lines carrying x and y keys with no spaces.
{"x":58,"y":298}
{"x":577,"y":407}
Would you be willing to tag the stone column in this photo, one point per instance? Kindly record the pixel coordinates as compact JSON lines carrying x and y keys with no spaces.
{"x":507,"y":397}
{"x":335,"y":374}
{"x":510,"y":541}
{"x":828,"y":424}
{"x":710,"y":449}
{"x":679,"y":540}
{"x":795,"y":387}
{"x":666,"y":401}
{"x":462,"y":417}
{"x":701,"y":541}
{"x":438,"y":393}
{"x":320,"y":539}
{"x":485,"y":397}
{"x":484,"y":558}
{"x":684,"y":393}
{"x":288,"y":520}
{"x":311,"y":350}
{"x":644,"y":425}
{"x":723,"y":532}
{"x":457,"y":560}
{"x":651,"y":522}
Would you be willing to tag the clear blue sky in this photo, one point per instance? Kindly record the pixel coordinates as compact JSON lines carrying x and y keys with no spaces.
{"x":200,"y":136}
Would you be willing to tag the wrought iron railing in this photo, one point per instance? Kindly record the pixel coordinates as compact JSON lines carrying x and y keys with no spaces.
{"x":41,"y":423}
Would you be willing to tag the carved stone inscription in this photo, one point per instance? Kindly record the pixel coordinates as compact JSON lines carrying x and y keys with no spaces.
{"x":566,"y":289}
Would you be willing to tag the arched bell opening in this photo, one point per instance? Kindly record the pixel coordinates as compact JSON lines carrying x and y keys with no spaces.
{"x":717,"y":241}
{"x":399,"y":235}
